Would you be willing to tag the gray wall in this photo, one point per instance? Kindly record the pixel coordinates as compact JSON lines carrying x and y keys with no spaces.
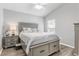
{"x":15,"y":17}
{"x":65,"y":17}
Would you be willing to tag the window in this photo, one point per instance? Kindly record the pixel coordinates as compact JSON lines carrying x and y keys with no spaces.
{"x":51,"y":25}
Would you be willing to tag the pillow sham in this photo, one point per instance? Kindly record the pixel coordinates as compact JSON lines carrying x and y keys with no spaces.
{"x":34,"y":30}
{"x":27,"y":30}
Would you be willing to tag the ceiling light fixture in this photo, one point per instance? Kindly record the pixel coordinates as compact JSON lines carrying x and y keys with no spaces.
{"x":40,"y":5}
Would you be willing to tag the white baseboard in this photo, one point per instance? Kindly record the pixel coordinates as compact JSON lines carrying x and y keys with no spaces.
{"x":67,"y":45}
{"x":1,"y":51}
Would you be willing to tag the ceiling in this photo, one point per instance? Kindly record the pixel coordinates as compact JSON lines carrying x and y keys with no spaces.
{"x":29,"y":8}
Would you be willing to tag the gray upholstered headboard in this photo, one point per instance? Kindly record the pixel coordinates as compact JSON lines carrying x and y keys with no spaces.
{"x":22,"y":25}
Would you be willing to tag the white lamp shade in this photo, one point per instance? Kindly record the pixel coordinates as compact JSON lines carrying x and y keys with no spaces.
{"x":13,"y":29}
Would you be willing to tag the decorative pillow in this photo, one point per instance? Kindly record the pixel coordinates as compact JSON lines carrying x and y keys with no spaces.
{"x":34,"y":30}
{"x":27,"y":30}
{"x":24,"y":29}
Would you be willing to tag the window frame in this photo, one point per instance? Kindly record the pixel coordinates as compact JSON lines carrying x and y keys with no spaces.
{"x":51,"y":25}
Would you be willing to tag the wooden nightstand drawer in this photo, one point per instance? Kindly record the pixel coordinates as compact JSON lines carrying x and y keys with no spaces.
{"x":10,"y":41}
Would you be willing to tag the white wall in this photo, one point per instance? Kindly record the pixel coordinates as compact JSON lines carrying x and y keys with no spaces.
{"x":65,"y":18}
{"x":15,"y":17}
{"x":1,"y":24}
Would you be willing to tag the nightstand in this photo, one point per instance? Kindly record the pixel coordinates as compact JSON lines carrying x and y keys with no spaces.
{"x":10,"y":41}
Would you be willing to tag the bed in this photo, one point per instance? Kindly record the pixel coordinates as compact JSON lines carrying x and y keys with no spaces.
{"x":37,"y":43}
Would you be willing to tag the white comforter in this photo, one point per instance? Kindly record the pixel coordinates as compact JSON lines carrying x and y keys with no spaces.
{"x":35,"y":38}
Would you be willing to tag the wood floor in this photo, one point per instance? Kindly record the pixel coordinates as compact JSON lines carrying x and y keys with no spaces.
{"x":64,"y":51}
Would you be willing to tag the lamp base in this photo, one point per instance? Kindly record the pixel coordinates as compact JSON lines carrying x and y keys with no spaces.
{"x":13,"y":34}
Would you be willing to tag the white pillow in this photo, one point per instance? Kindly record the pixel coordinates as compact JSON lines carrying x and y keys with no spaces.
{"x":27,"y":30}
{"x":34,"y":30}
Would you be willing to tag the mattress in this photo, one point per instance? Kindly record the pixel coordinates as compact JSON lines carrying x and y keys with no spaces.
{"x":38,"y":37}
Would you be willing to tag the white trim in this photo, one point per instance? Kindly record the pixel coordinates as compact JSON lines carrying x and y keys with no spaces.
{"x":1,"y":51}
{"x":67,"y":45}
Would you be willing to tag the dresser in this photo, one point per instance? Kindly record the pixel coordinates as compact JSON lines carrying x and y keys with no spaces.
{"x":76,"y":30}
{"x":10,"y":41}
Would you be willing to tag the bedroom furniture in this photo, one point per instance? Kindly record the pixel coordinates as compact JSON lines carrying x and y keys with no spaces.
{"x":22,"y":25}
{"x":41,"y":49}
{"x":45,"y":49}
{"x":10,"y":41}
{"x":76,"y":29}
